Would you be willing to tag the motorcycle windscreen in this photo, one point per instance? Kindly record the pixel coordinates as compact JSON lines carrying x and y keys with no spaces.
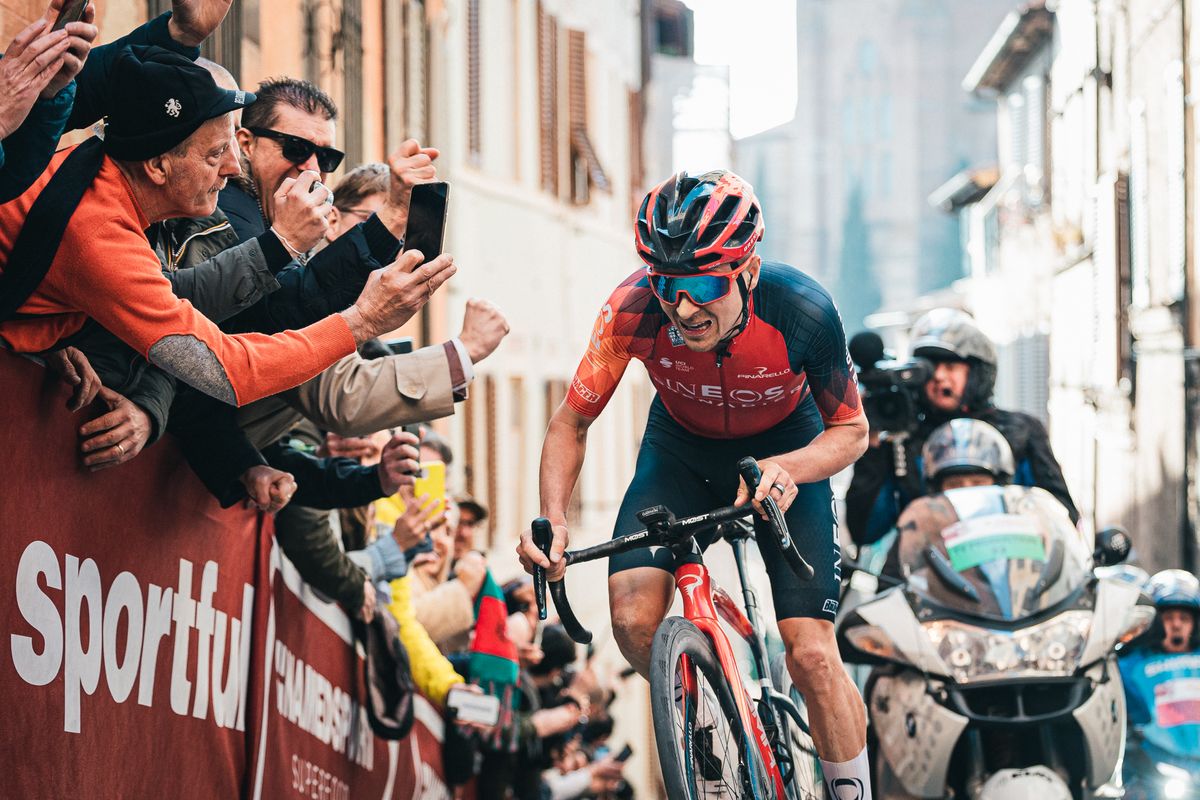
{"x":995,"y":552}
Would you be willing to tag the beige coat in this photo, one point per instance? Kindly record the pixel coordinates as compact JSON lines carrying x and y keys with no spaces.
{"x":445,"y":608}
{"x":358,"y":396}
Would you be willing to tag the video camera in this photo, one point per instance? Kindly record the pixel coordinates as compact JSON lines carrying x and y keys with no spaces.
{"x":891,"y":389}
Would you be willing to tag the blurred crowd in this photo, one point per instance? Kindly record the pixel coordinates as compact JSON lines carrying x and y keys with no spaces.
{"x":188,"y":269}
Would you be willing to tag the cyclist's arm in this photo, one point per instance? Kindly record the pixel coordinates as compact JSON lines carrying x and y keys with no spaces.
{"x":593,"y":385}
{"x":834,"y":449}
{"x":834,"y":389}
{"x":562,"y":460}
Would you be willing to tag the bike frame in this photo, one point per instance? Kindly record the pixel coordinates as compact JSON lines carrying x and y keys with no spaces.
{"x":703,"y":603}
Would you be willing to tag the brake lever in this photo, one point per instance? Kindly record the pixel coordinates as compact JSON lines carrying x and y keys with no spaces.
{"x":748,"y":468}
{"x":543,"y":536}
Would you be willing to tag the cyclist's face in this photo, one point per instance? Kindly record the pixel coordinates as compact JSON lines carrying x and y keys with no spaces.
{"x":703,"y":327}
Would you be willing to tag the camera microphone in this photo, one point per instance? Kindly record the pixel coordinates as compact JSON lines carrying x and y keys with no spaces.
{"x":866,"y":349}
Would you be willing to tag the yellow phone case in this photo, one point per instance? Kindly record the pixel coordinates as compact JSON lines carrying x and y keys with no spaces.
{"x":432,"y":482}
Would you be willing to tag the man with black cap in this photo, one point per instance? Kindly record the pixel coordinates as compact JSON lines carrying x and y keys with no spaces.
{"x":167,"y":152}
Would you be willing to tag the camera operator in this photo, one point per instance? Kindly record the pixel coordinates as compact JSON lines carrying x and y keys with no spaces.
{"x":953,"y":375}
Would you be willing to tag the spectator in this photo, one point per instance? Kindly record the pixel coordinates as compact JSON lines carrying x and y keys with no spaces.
{"x":361,"y":193}
{"x":445,"y":605}
{"x":164,"y":157}
{"x":470,"y":513}
{"x":38,"y":72}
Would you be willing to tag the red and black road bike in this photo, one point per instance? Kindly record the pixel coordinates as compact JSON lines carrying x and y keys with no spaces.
{"x":714,"y":738}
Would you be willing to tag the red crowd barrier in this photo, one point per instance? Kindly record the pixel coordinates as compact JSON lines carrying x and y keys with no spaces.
{"x":159,"y":645}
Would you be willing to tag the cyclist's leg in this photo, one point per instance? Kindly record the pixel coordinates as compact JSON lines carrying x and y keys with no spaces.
{"x":641,"y":582}
{"x":805,"y":611}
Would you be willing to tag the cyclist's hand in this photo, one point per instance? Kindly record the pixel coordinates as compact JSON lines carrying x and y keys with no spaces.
{"x":773,"y":477}
{"x":531,"y":556}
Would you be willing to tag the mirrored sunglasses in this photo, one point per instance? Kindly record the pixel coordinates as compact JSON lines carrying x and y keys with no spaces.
{"x":702,"y":289}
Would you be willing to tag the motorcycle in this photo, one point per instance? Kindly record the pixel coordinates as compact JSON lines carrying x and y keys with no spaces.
{"x":995,"y":673}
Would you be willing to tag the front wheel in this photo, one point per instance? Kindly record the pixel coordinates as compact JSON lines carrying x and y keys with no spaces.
{"x":703,"y":747}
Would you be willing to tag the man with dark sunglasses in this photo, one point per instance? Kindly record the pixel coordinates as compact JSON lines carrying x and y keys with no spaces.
{"x":293,"y":133}
{"x":749,"y":358}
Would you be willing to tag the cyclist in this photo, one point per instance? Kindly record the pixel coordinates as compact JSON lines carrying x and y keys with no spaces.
{"x":749,"y":358}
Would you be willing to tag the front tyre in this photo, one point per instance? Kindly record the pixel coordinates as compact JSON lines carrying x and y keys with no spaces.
{"x":703,"y":747}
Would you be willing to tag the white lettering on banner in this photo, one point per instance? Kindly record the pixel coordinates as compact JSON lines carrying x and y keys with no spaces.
{"x":62,"y":637}
{"x":431,"y":785}
{"x":308,"y":700}
{"x":311,"y":781}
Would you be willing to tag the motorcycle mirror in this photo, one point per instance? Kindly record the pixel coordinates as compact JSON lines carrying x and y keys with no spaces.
{"x":1112,"y":546}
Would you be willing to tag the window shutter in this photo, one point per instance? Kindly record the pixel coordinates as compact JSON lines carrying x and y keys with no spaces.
{"x":635,"y":149}
{"x":1018,"y":155}
{"x":225,"y":45}
{"x":417,"y":67}
{"x":1139,"y":199}
{"x":1035,"y":139}
{"x":490,"y":387}
{"x":352,"y":61}
{"x":585,"y":164}
{"x":1124,"y":275}
{"x":547,"y":54}
{"x":1176,"y":182}
{"x":395,"y":35}
{"x":474,"y":133}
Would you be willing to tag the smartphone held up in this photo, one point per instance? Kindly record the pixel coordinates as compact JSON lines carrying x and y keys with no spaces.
{"x":72,"y":11}
{"x":426,"y":228}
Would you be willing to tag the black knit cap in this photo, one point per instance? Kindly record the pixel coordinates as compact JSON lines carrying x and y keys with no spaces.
{"x":159,"y":99}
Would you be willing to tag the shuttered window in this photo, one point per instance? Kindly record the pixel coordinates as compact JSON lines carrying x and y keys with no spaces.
{"x":352,"y":68}
{"x":1177,"y":226}
{"x":1139,"y":200}
{"x":225,"y":45}
{"x":635,"y":149}
{"x":1124,"y":275}
{"x":416,"y":96}
{"x":395,"y":37}
{"x":586,"y":171}
{"x":474,"y":123}
{"x":492,"y":451}
{"x":547,"y":55}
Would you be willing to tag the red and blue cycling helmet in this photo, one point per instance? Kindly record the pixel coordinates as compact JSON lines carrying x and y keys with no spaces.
{"x":693,"y":224}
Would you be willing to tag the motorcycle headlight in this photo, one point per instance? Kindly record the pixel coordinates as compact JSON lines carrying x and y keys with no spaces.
{"x":1050,"y":648}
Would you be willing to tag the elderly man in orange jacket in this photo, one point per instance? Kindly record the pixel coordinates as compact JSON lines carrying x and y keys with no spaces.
{"x":167,"y":152}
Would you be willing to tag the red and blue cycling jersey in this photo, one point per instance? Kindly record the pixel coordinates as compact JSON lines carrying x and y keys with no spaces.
{"x":790,"y":358}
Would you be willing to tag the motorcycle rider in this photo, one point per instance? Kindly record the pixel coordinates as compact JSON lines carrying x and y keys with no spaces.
{"x":964,"y":376}
{"x":962,"y":453}
{"x":1162,"y":682}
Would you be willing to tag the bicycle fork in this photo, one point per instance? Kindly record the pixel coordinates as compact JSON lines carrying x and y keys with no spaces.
{"x":701,"y":605}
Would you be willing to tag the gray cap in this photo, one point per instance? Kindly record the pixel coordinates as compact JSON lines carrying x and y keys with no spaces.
{"x":949,"y":334}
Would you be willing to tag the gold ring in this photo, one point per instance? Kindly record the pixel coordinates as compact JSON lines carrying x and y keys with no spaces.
{"x":120,"y":449}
